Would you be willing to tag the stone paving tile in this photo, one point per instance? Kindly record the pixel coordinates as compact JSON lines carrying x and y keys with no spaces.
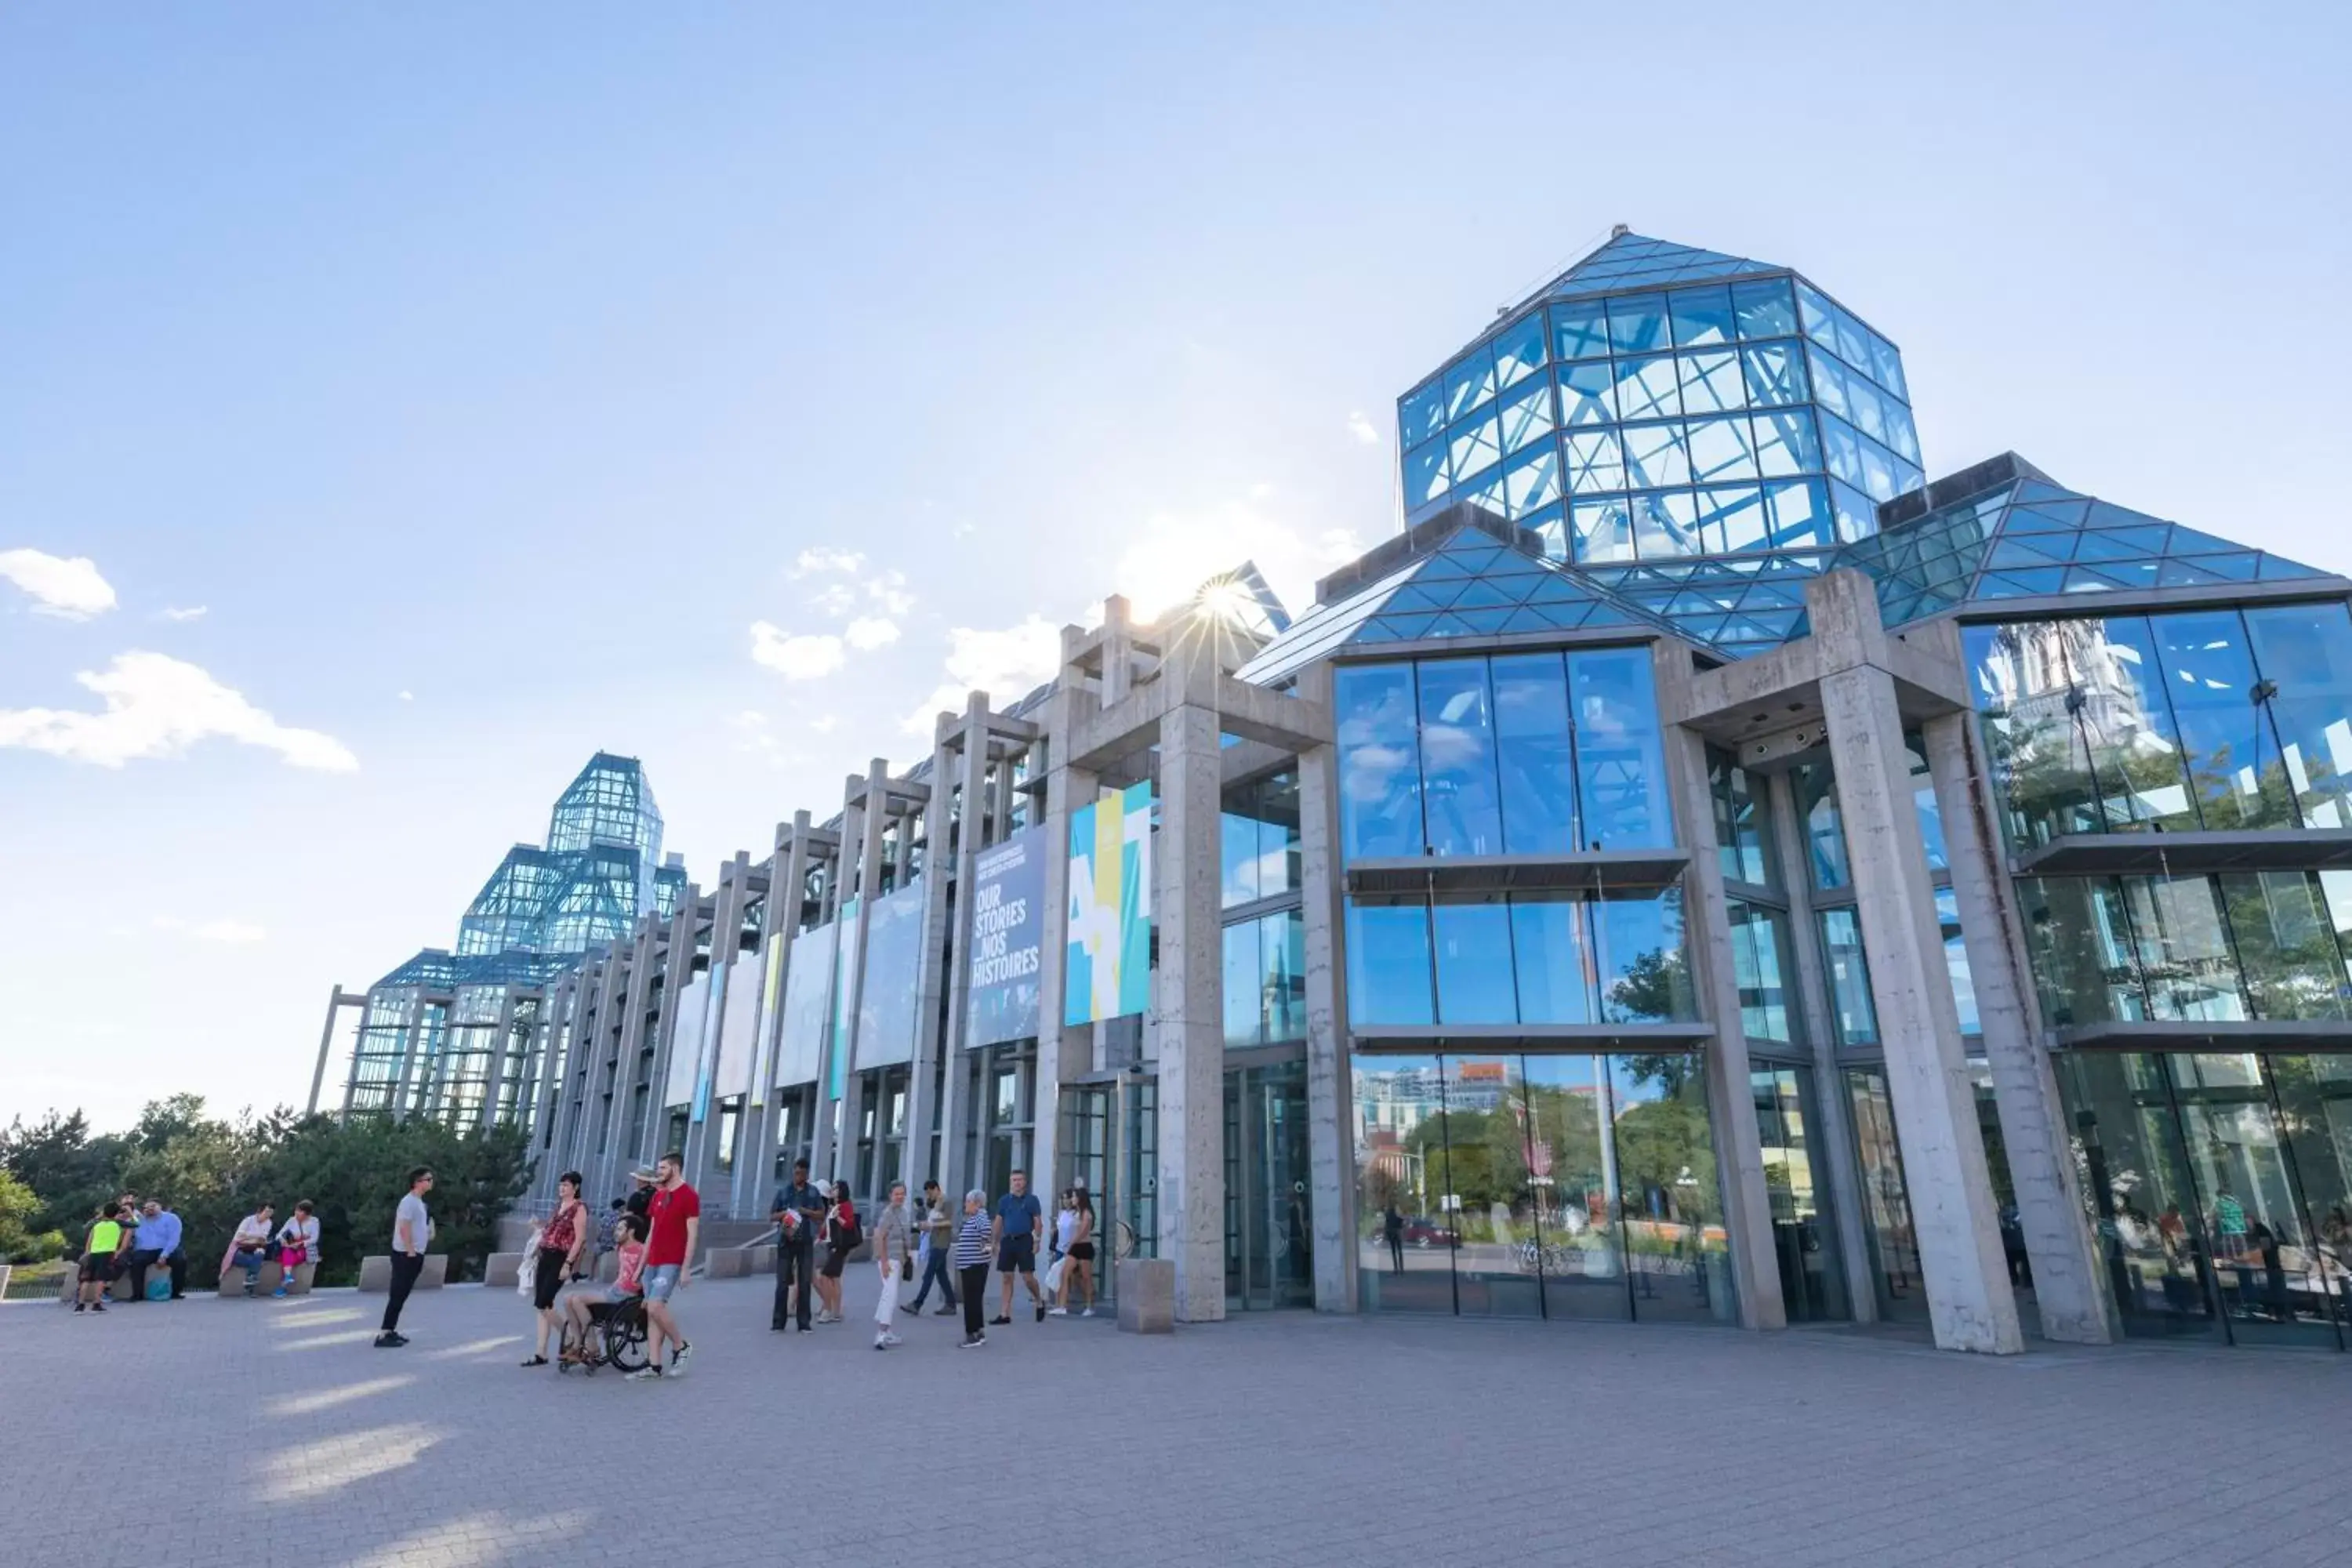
{"x":269,"y":1433}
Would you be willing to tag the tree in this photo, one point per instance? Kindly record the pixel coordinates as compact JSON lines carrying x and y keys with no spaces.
{"x":19,"y":1242}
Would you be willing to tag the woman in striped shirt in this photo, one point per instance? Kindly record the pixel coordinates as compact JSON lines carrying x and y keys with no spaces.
{"x":972,"y":1263}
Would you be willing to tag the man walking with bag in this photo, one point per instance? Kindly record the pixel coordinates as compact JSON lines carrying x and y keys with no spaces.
{"x":799,"y":1213}
{"x":412,"y":1229}
{"x":938,"y":1237}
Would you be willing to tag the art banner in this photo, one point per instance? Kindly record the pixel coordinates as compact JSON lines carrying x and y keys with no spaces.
{"x":1007,"y":934}
{"x":1108,"y":973}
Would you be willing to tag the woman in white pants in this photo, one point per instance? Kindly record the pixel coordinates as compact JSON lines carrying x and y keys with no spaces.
{"x":893,"y":1234}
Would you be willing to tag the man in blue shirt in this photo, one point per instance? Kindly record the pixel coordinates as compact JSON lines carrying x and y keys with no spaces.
{"x":1019,"y":1219}
{"x":799,"y":1214}
{"x":158,"y":1242}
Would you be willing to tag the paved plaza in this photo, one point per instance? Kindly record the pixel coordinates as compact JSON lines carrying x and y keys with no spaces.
{"x":266,"y":1433}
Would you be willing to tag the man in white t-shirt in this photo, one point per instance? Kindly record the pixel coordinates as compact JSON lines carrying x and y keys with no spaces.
{"x":412,"y":1227}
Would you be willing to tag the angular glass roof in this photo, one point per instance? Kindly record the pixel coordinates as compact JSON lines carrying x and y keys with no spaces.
{"x":1636,"y":261}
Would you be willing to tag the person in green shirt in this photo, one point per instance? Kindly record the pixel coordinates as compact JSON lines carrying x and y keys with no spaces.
{"x":101,"y":1255}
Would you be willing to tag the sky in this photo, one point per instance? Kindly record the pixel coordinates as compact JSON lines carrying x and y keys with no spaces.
{"x":400,"y":402}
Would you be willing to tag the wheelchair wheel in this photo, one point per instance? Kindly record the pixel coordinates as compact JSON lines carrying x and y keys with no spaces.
{"x":625,"y":1342}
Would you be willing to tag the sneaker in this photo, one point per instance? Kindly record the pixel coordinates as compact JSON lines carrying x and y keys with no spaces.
{"x":1086,"y":1311}
{"x":998,"y":1322}
{"x":880,"y":1346}
{"x":1041,"y":1311}
{"x":806,"y":1330}
{"x":1058,"y":1311}
{"x":389,"y":1341}
{"x":889,"y":1339}
{"x":948,"y":1310}
{"x":645,"y":1375}
{"x":972,"y":1341}
{"x":98,"y":1306}
{"x":80,"y":1307}
{"x":278,"y":1294}
{"x":677,"y":1362}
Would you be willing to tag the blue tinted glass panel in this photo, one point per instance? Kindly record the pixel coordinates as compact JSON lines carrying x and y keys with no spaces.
{"x":1867,"y":411}
{"x":1533,"y":754}
{"x":1817,"y":812}
{"x":1930,"y":815}
{"x":1775,"y":374}
{"x":1550,"y":955}
{"x":1469,"y":382}
{"x":1956,"y":960}
{"x":1878,"y":480}
{"x":2305,"y":651}
{"x":1282,"y":947}
{"x":1853,"y":1019}
{"x":1389,"y":964}
{"x":1238,"y":839}
{"x":1422,"y":414}
{"x":1886,"y":367}
{"x":1712,"y":382}
{"x":1602,"y":529}
{"x":1766,"y":309}
{"x":1425,"y":473}
{"x":1720,"y":451}
{"x":1732,"y":518}
{"x":1800,"y":513}
{"x":1646,"y":388}
{"x":1857,"y":516}
{"x":1620,"y":758}
{"x":1474,"y":447}
{"x":1527,"y":417}
{"x":1595,"y":462}
{"x":1655,"y":455}
{"x":1520,"y":350}
{"x":1901,"y":434}
{"x":1852,"y":340}
{"x":1243,"y":1026}
{"x":1580,"y":332}
{"x":1819,"y":317}
{"x":1786,"y":443}
{"x":1380,"y":760}
{"x":1702,"y":316}
{"x":1665,"y":523}
{"x":1758,"y":946}
{"x":1637,"y":323}
{"x":1458,"y":759}
{"x":1841,"y":448}
{"x":1830,"y":383}
{"x":1474,"y":964}
{"x":1588,"y":394}
{"x":1645,"y":976}
{"x":2210,"y":672}
{"x":1532,"y":481}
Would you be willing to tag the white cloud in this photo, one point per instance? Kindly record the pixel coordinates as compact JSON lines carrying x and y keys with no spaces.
{"x":824,"y":723}
{"x":157,"y":706}
{"x":868,"y":633}
{"x":1006,"y":662}
{"x":834,"y":599}
{"x":68,"y":587}
{"x":795,"y":658}
{"x":1363,"y":429}
{"x":826,"y":558}
{"x":1173,"y":556}
{"x":889,"y":591}
{"x":235,"y":933}
{"x":193,"y":613}
{"x":408,"y":697}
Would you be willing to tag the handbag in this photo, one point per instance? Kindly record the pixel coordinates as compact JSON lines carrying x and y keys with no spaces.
{"x":526,"y":1277}
{"x":1053,"y":1278}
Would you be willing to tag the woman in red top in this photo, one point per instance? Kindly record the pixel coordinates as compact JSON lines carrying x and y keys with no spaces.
{"x":840,"y":1239}
{"x":560,"y":1243}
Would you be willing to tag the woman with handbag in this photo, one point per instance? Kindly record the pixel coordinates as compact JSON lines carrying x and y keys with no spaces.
{"x":297,"y":1243}
{"x":841,"y":1238}
{"x":1076,"y":1231}
{"x":562,"y":1241}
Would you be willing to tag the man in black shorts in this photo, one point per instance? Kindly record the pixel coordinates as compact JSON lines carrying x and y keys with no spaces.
{"x":1019,"y":1219}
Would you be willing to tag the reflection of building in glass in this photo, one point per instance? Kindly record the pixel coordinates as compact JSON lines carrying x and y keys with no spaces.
{"x":1697,"y":872}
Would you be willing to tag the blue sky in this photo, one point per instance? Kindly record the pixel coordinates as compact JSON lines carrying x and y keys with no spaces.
{"x":490,"y":378}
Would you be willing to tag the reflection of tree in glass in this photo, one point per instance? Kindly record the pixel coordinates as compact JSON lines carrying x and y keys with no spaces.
{"x":1654,"y":989}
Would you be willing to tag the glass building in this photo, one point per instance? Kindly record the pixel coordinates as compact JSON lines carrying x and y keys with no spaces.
{"x":456,"y":1034}
{"x":1700,"y":871}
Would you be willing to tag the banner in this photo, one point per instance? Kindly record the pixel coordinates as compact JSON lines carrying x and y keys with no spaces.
{"x":739,"y":1027}
{"x":686,"y":1038}
{"x":1007,"y":934}
{"x":888,"y":1001}
{"x":836,"y":1056}
{"x":1109,"y":971}
{"x":808,"y":1001}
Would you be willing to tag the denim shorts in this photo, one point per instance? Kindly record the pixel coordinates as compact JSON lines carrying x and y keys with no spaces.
{"x":660,"y":1282}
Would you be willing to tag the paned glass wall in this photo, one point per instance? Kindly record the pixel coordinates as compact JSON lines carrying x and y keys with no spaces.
{"x":1555,"y":1186}
{"x":1522,"y":753}
{"x":2221,"y":1189}
{"x":1617,"y":957}
{"x":1812,"y":1284}
{"x":2237,"y":945}
{"x":1893,"y":1245}
{"x":1265,"y":980}
{"x":2208,"y":718}
{"x":1260,"y":840}
{"x":1709,"y":419}
{"x":1743,"y":830}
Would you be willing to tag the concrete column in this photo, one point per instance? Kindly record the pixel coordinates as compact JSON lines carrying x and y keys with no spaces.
{"x":701,"y":1042}
{"x":554,"y":1061}
{"x":931,"y":966}
{"x":652,"y":1140}
{"x":786,"y":873}
{"x":1063,"y":1052}
{"x":1188,"y":997}
{"x":1707,"y":939}
{"x":1952,"y":1214}
{"x":326,"y":1043}
{"x":956,"y":1176}
{"x":1830,"y":1132}
{"x":604,"y":1097}
{"x":2068,"y":1291}
{"x":405,"y":1084}
{"x":1330,"y":1096}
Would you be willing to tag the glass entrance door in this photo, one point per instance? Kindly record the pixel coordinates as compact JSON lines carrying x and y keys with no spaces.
{"x":1269,"y":1231}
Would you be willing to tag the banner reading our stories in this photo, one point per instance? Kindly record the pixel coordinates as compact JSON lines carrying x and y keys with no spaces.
{"x":1108,"y":975}
{"x":1007,"y":934}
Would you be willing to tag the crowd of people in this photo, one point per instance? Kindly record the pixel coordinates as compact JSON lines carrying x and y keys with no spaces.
{"x":653,"y":1235}
{"x":127,"y":1238}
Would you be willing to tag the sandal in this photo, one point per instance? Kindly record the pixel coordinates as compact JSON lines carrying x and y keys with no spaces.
{"x":536,"y":1360}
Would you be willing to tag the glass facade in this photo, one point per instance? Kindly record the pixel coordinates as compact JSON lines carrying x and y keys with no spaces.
{"x":1686,"y":404}
{"x":1538,"y":1186}
{"x":1521,"y":958}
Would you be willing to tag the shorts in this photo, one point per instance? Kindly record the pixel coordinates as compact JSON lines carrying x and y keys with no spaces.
{"x":660,"y":1281}
{"x":97,"y":1267}
{"x":1017,"y":1255}
{"x":1082,"y":1251}
{"x":547,"y":1279}
{"x":834,"y":1258}
{"x":611,"y":1305}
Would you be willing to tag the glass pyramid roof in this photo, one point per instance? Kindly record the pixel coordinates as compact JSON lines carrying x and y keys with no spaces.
{"x":1471,"y":584}
{"x":1636,"y":261}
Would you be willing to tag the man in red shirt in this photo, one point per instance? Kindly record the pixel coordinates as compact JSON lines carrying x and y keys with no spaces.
{"x":675,"y":1216}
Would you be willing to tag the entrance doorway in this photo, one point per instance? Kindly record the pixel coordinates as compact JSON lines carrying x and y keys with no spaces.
{"x":1269,"y":1221}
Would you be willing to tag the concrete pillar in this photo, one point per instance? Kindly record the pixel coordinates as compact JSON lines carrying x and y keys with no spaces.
{"x":931,"y":965}
{"x":700,"y":1035}
{"x":326,"y":1043}
{"x":1063,"y":1052}
{"x":956,"y":1110}
{"x":1707,"y":939}
{"x":1330,"y":1096}
{"x":2068,"y":1291}
{"x":1188,"y":997}
{"x":1830,"y":1132}
{"x":652,"y":1140}
{"x":1953,"y":1219}
{"x":604,"y":1095}
{"x":405,"y":1084}
{"x":786,"y":873}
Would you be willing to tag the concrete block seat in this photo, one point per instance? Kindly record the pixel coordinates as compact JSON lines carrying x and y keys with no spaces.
{"x":375,"y":1273}
{"x":1147,"y":1295}
{"x":231,"y":1280}
{"x":503,"y":1272}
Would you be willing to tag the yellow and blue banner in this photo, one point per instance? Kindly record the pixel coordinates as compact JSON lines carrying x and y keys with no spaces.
{"x":1108,"y":973}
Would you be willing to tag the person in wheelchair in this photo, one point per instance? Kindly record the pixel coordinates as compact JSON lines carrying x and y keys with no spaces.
{"x":595,"y":1307}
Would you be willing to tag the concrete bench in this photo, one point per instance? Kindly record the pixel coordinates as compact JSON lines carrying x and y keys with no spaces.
{"x":1147,"y":1295}
{"x":726,"y":1263}
{"x":231,"y":1280}
{"x":503,"y":1272}
{"x":375,"y":1273}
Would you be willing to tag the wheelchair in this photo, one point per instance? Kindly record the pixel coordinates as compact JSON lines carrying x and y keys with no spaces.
{"x":615,"y":1337}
